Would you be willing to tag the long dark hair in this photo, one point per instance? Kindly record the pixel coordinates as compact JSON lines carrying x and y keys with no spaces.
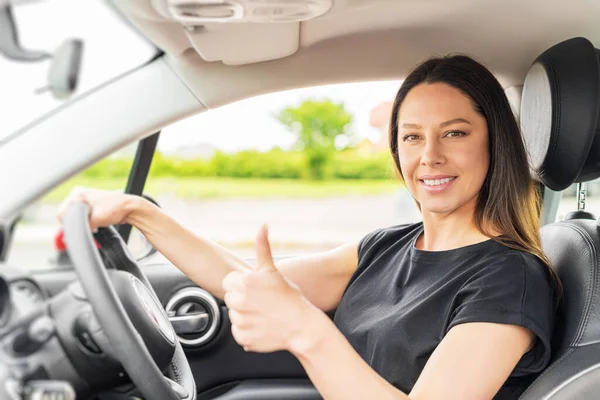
{"x":509,"y":199}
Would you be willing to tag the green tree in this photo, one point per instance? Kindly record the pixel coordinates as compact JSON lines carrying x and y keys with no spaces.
{"x":316,"y":125}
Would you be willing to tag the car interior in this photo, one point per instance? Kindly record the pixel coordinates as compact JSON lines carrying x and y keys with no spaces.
{"x":105,"y":328}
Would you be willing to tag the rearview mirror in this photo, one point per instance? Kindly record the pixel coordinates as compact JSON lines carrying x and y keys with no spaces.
{"x":64,"y":70}
{"x":63,"y":75}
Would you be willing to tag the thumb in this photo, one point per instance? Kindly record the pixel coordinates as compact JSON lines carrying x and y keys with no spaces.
{"x":264,"y":259}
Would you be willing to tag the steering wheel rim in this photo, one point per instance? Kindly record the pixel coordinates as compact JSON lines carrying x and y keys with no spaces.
{"x":114,"y":320}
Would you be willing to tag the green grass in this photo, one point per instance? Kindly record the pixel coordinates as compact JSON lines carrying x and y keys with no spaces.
{"x":205,"y":188}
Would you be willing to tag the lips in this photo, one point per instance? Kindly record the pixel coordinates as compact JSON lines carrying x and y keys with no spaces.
{"x":437,"y":184}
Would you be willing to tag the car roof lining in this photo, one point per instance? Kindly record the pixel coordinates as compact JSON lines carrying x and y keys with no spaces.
{"x":216,"y":84}
{"x":360,"y":40}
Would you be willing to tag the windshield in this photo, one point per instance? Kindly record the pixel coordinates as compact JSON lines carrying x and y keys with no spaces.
{"x":110,"y":47}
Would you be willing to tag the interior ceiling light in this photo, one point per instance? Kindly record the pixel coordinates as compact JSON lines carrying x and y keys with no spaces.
{"x":198,"y":12}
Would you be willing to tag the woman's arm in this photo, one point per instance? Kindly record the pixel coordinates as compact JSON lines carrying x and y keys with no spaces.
{"x":472,"y":362}
{"x":322,"y":277}
{"x":335,"y":368}
{"x":269,"y":314}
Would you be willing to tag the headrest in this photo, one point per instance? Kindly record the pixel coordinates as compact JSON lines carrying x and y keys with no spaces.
{"x":560,"y":108}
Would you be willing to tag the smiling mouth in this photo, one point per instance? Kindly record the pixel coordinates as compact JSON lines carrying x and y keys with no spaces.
{"x":437,"y":182}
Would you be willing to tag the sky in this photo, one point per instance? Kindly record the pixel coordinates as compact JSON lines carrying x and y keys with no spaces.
{"x":111,"y":48}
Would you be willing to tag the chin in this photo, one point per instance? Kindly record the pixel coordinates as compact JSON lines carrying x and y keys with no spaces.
{"x":438,"y":208}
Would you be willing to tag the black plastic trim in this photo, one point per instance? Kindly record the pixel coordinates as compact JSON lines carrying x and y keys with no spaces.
{"x":265,"y":389}
{"x":3,"y":242}
{"x":139,"y":173}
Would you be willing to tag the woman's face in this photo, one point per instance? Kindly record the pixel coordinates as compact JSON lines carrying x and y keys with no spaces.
{"x":442,"y":147}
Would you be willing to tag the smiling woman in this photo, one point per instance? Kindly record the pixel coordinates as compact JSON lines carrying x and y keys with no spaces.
{"x":491,"y":180}
{"x":434,"y":153}
{"x":457,"y":306}
{"x":471,"y":279}
{"x":412,"y":301}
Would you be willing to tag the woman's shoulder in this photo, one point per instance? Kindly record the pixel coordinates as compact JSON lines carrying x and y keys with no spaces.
{"x":510,"y":286}
{"x":388,"y":235}
{"x":508,"y":260}
{"x":527,"y":276}
{"x":394,"y":231}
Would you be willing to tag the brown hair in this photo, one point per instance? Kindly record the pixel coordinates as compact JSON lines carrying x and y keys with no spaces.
{"x":509,"y":198}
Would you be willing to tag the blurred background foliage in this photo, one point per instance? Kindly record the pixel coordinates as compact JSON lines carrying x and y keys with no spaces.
{"x":326,"y":160}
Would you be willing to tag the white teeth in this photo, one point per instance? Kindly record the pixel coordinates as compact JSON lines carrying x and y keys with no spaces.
{"x":436,"y":182}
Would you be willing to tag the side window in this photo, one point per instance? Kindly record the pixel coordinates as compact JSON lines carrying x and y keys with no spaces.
{"x":33,"y":246}
{"x":312,"y":163}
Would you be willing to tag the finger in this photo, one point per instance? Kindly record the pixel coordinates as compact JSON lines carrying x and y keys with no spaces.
{"x":233,"y":281}
{"x":234,"y":300}
{"x":264,"y":259}
{"x":240,"y":338}
{"x":77,"y":194}
{"x":237,"y":335}
{"x":236,"y":318}
{"x":228,"y":300}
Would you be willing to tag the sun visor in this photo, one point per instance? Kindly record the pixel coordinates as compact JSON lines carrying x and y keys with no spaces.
{"x":559,"y":114}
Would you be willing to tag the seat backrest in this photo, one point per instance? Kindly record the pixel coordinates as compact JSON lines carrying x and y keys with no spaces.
{"x":561,"y":105}
{"x":573,"y":247}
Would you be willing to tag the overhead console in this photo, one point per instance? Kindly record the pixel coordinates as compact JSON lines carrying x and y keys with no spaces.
{"x":199,"y":12}
{"x":269,"y":29}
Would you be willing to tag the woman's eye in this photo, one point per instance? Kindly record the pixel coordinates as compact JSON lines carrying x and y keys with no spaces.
{"x":455,"y":134}
{"x":410,"y":138}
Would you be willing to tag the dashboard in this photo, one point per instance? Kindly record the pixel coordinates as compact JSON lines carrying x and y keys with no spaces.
{"x":19,"y":296}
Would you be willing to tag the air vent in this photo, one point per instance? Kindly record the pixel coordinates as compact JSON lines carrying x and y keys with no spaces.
{"x":198,"y":12}
{"x":195,"y":316}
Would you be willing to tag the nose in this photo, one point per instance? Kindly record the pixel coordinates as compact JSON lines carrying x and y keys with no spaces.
{"x":433,"y":154}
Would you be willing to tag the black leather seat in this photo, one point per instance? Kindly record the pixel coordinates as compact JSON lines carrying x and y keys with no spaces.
{"x":559,"y":119}
{"x":573,"y":247}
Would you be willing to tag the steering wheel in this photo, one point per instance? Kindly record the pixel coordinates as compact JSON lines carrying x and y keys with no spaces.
{"x":134,"y":322}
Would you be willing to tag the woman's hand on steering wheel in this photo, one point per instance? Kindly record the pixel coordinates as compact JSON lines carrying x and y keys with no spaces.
{"x":107,"y":207}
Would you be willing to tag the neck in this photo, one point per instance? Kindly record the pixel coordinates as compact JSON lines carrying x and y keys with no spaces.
{"x":449,"y":231}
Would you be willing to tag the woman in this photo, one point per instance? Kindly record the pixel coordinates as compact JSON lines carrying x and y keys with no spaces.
{"x":459,"y":306}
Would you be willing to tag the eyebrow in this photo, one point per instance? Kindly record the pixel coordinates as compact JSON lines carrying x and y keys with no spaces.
{"x":442,"y":125}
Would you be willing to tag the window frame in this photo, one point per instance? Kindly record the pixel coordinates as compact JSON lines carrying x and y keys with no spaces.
{"x":138,"y":174}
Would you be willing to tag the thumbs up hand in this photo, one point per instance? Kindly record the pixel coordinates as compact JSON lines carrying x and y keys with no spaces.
{"x":267,"y":311}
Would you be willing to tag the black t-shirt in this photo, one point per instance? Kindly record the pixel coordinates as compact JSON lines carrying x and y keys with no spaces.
{"x":401,"y":302}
